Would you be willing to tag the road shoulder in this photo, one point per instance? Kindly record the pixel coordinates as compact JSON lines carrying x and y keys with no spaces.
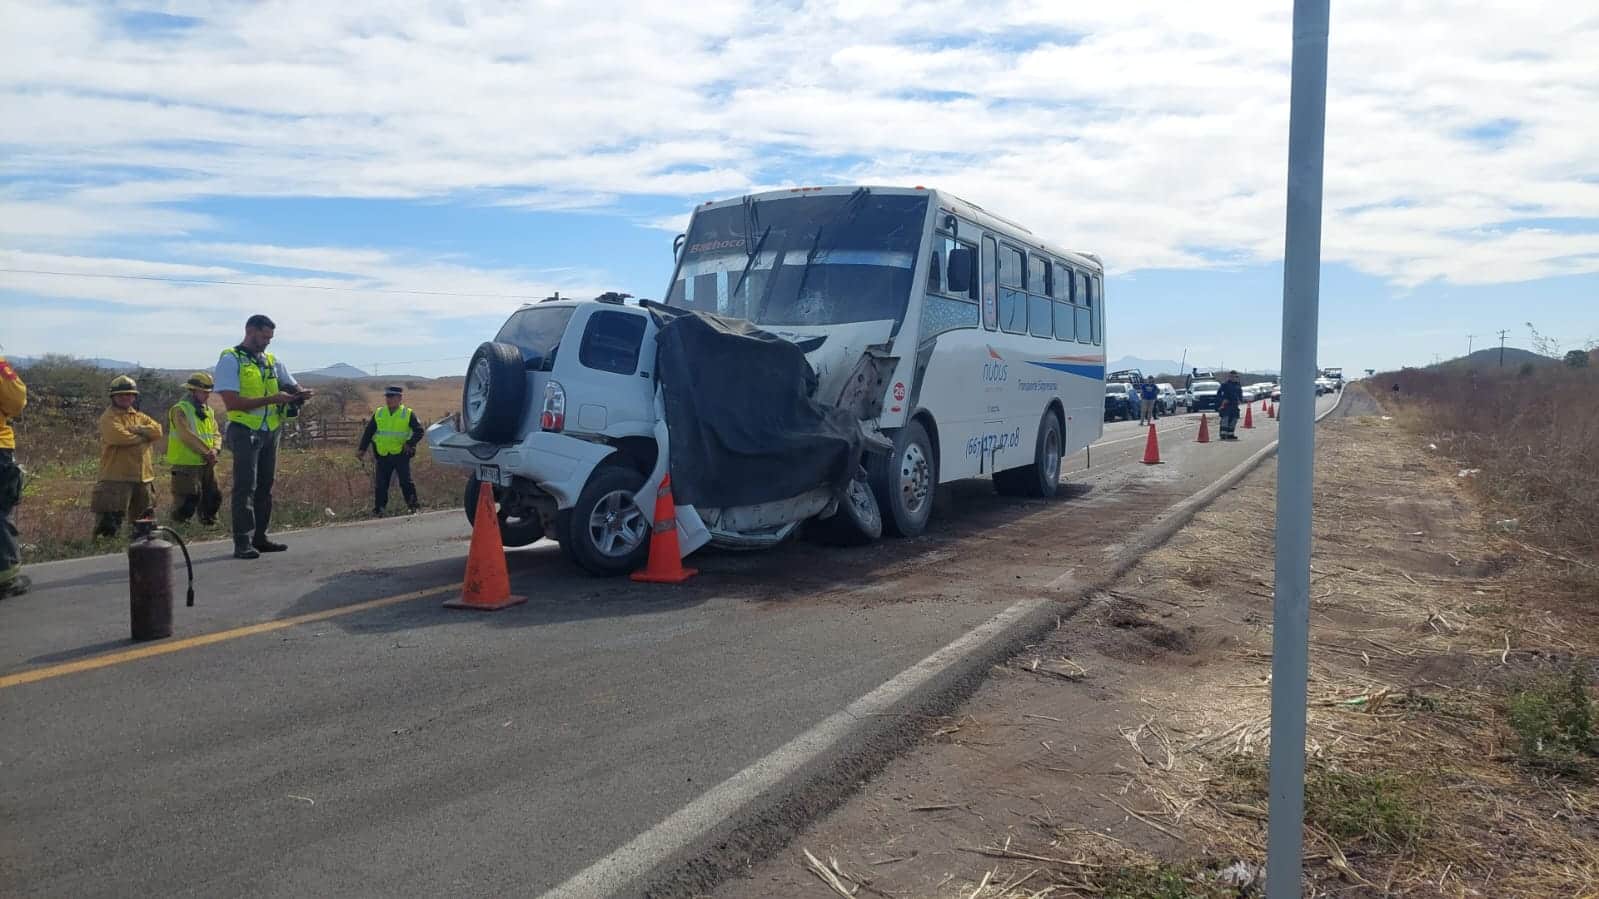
{"x":1125,"y":749}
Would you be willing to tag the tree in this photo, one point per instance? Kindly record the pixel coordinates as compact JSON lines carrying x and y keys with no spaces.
{"x":1543,"y":346}
{"x":1577,"y":358}
{"x":342,"y":394}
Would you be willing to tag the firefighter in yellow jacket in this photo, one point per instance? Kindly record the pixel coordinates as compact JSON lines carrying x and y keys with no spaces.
{"x":13,"y":397}
{"x":192,"y":443}
{"x":127,"y":476}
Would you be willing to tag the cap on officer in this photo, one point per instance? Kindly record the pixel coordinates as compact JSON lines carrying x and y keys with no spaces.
{"x":200,"y":380}
{"x":394,"y":390}
{"x":123,"y":384}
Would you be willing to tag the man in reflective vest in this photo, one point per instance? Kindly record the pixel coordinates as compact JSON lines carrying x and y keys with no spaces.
{"x":193,"y":440}
{"x":393,"y":432}
{"x":259,"y":393}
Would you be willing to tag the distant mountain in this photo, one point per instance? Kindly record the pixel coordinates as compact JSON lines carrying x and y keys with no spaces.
{"x":22,"y":362}
{"x":1147,"y":366}
{"x":338,"y":371}
{"x":1489,"y":358}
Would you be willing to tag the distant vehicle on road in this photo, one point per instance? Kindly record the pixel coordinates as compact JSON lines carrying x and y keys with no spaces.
{"x":1168,"y":398}
{"x":1121,"y":402}
{"x":1325,"y":386}
{"x":560,"y":410}
{"x":1203,"y":395}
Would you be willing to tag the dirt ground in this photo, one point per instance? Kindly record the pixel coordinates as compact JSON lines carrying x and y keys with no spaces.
{"x":1124,"y":756}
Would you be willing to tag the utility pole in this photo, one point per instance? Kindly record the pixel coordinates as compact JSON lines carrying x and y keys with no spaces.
{"x":1290,"y":623}
{"x":1469,"y":338}
{"x":1502,"y":335}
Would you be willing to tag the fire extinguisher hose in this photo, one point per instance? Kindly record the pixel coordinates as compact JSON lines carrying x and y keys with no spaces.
{"x":186,"y":561}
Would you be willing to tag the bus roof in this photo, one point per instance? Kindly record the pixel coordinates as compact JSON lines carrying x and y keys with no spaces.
{"x":943,"y":200}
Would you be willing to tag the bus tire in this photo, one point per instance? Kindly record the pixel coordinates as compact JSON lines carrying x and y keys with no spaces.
{"x":905,"y":482}
{"x":1042,"y":477}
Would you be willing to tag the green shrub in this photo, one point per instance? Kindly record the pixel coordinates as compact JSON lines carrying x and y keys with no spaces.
{"x":1553,"y":717}
{"x":1376,"y":808}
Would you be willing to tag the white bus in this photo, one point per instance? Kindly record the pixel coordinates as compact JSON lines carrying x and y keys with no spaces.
{"x":996,"y":338}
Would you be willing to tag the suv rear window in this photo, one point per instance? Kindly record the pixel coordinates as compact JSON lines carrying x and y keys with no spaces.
{"x":611,"y":342}
{"x":537,"y":331}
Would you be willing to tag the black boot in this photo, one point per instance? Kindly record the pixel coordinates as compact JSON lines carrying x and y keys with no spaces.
{"x":267,"y":546}
{"x":243,"y":550}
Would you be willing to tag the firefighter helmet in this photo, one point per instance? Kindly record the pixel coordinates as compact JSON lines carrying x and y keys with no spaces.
{"x":123,"y":384}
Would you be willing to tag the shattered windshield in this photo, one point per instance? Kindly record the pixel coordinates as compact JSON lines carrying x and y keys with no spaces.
{"x":803,"y":260}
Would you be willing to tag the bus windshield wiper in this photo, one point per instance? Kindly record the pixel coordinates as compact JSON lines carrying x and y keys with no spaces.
{"x":754,"y":254}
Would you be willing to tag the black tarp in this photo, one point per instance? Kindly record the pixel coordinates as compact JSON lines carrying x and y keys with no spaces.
{"x":742,"y":415}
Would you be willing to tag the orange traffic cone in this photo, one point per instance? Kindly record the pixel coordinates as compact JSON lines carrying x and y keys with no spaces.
{"x":665,"y":564}
{"x":1152,"y":448}
{"x":1271,"y":411}
{"x":1204,"y":429}
{"x":487,"y":585}
{"x":1249,"y":415}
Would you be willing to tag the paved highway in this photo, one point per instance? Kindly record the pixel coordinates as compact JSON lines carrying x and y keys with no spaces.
{"x":320,"y":725}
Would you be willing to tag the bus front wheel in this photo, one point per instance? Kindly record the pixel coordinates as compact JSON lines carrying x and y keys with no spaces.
{"x":1042,"y":478}
{"x":905,"y":481}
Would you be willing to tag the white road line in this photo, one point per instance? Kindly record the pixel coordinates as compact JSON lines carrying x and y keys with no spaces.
{"x":692,"y":822}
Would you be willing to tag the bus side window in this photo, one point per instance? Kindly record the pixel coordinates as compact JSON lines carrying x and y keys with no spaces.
{"x":1084,"y":313}
{"x":1065,"y":316}
{"x":1098,"y":297}
{"x":935,"y":267}
{"x":1012,"y":290}
{"x":990,"y":292}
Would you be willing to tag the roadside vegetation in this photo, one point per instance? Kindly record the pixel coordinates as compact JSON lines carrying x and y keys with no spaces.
{"x":1451,"y":748}
{"x":319,"y":481}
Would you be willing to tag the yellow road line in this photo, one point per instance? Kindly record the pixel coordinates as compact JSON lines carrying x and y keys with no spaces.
{"x":156,"y":649}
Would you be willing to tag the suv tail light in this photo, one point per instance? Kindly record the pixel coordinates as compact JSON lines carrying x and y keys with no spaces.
{"x":553,"y":416}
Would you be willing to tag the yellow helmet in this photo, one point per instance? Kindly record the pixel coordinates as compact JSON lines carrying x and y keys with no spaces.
{"x":123,"y":384}
{"x":200,"y":380}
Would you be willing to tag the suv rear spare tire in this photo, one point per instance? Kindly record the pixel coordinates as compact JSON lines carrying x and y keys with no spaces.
{"x":494,"y":398}
{"x":606,"y":532}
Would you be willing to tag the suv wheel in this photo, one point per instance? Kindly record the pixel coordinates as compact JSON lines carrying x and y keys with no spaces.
{"x":858,"y":521}
{"x":605,"y":532}
{"x":515,"y":530}
{"x":495,"y":395}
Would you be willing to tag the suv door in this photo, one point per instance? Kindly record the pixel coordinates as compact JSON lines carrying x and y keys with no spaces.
{"x":608,"y":376}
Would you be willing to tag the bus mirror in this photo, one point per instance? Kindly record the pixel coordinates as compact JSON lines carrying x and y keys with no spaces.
{"x":960,"y":270}
{"x":677,"y":245}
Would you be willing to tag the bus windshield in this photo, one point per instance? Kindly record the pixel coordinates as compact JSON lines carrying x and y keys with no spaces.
{"x":803,"y":260}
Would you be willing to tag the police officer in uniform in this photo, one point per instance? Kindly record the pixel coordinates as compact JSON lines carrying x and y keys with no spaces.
{"x":193,"y":440}
{"x":393,"y":432}
{"x":258,"y":391}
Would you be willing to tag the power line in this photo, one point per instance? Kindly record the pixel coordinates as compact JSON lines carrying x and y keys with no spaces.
{"x":224,"y":282}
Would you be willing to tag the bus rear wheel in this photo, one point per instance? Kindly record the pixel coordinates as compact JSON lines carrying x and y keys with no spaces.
{"x":1042,"y":478}
{"x":905,"y":481}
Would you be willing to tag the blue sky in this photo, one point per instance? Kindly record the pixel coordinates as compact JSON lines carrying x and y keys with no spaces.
{"x":385,"y":182}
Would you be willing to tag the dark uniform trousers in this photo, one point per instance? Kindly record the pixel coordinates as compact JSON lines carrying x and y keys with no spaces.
{"x":387,"y":467}
{"x":194,"y":489}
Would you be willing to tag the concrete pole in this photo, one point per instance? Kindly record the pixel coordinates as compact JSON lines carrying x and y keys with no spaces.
{"x":1307,"y":125}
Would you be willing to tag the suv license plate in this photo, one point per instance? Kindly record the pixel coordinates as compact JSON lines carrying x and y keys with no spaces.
{"x":489,"y":474}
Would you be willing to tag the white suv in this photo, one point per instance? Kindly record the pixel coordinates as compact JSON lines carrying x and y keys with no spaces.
{"x":560,"y":414}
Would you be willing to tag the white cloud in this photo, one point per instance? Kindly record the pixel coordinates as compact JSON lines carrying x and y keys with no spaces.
{"x":1153,"y":133}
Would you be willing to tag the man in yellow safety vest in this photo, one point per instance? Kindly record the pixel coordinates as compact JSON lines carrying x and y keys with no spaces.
{"x":193,"y":440}
{"x":393,"y":432}
{"x":259,"y":393}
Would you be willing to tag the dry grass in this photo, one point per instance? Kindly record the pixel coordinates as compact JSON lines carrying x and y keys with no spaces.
{"x":1425,"y":626}
{"x":1534,"y":435}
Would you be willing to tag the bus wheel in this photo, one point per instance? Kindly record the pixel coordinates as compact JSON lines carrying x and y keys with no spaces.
{"x":905,"y":481}
{"x":1042,"y":478}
